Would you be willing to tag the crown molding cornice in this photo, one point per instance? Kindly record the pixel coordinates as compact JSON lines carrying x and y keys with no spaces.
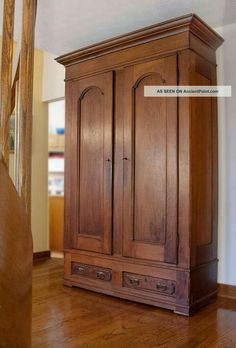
{"x":191,"y":23}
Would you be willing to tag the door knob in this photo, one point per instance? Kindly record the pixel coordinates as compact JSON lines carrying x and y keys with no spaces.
{"x":125,"y":159}
{"x":108,"y":160}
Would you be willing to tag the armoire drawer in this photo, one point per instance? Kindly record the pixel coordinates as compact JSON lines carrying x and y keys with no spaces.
{"x":91,"y":271}
{"x":147,"y":283}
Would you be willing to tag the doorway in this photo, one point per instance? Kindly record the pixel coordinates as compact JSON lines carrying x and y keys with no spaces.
{"x":56,"y":145}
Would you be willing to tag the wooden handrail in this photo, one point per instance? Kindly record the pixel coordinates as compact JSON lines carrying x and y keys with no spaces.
{"x":13,"y":88}
{"x":25,"y":99}
{"x":6,"y":76}
{"x":15,"y":235}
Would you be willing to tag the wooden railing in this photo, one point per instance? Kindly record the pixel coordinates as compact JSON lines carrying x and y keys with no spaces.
{"x":18,"y":95}
{"x":6,"y":76}
{"x":15,"y":232}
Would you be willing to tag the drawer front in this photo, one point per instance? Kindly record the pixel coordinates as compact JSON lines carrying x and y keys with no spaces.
{"x":91,"y":271}
{"x":147,"y":283}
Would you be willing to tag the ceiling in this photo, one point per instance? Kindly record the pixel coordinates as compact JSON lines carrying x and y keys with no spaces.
{"x":66,"y":25}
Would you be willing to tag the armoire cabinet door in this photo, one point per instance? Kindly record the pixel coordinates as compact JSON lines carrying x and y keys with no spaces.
{"x":150,"y":164}
{"x":92,"y":189}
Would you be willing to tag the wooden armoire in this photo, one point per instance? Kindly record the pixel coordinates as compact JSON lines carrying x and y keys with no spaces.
{"x":141,"y":172}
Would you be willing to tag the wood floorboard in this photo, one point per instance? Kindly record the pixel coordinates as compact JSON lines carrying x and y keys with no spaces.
{"x":73,"y":318}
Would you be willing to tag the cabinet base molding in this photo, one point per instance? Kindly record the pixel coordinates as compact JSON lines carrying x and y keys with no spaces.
{"x":167,"y":288}
{"x":228,"y":291}
{"x":41,"y":256}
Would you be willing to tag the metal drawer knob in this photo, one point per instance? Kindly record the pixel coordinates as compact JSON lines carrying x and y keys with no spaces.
{"x":134,"y":281}
{"x":101,"y":275}
{"x":79,"y":269}
{"x":162,"y":287}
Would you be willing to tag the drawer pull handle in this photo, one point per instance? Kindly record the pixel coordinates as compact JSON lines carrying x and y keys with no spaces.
{"x":80,"y":269}
{"x":161,"y":287}
{"x":101,"y":275}
{"x":134,"y":281}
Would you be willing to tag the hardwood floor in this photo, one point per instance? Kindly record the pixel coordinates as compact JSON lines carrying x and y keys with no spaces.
{"x":71,"y":318}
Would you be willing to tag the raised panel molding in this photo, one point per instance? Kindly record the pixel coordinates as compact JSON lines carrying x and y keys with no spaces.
{"x":150,"y":168}
{"x":149,"y":163}
{"x":91,"y":160}
{"x":92,"y":167}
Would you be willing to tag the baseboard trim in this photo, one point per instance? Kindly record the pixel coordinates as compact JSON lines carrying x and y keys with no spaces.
{"x":42,"y":256}
{"x":227,"y":291}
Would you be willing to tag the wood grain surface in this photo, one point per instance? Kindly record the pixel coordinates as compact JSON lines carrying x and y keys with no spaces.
{"x":26,"y":70}
{"x":141,"y":191}
{"x":74,"y":318}
{"x":6,"y":76}
{"x":56,"y":222}
{"x":15,"y":267}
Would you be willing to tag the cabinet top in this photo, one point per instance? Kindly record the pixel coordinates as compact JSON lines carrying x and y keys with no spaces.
{"x":190,"y":22}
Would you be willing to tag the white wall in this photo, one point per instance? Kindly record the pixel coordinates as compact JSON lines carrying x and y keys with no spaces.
{"x":39,"y":183}
{"x":226,"y":60}
{"x":56,"y":115}
{"x":53,"y":78}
